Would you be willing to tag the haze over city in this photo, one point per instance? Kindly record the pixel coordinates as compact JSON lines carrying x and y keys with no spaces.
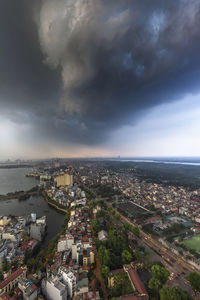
{"x":99,"y":78}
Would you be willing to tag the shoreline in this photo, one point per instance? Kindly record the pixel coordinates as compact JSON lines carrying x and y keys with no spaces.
{"x":20,"y":195}
{"x":46,"y":198}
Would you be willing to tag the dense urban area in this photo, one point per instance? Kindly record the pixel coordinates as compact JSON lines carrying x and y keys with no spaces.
{"x":131,"y":231}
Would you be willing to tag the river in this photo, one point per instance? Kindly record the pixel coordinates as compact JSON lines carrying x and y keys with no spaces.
{"x":37,"y":204}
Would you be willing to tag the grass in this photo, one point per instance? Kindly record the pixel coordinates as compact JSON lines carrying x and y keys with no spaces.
{"x":193,"y":243}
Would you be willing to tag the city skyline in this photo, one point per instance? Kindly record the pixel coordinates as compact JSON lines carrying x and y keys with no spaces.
{"x":99,"y":79}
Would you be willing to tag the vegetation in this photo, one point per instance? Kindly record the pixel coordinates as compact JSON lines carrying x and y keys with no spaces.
{"x":95,"y":226}
{"x":160,"y":273}
{"x":174,"y":229}
{"x":148,"y":228}
{"x":155,"y":284}
{"x":105,"y":190}
{"x":133,"y":229}
{"x":5,"y":266}
{"x":194,"y":279}
{"x":193,"y":245}
{"x":174,"y":293}
{"x":161,"y":291}
{"x":122,"y":285}
{"x":126,"y":257}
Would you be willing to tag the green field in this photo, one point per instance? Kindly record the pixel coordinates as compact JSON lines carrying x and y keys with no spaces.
{"x":193,"y":243}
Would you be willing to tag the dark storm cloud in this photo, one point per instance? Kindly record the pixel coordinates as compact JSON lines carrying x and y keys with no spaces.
{"x":25,"y":81}
{"x":114,"y":59}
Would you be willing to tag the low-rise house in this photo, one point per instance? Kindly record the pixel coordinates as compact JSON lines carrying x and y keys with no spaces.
{"x":102,"y":235}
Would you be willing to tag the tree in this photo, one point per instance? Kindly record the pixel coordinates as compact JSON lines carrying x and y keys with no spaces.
{"x":117,"y":216}
{"x":126,"y":257}
{"x":104,"y":255}
{"x":174,"y":293}
{"x":160,"y":273}
{"x":5,"y":266}
{"x":155,"y":284}
{"x":105,"y":271}
{"x":122,"y":285}
{"x":95,"y":226}
{"x":194,"y":279}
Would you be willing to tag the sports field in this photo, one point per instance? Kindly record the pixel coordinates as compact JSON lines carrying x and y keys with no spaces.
{"x":193,"y":243}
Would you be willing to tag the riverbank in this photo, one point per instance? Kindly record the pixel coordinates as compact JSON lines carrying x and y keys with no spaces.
{"x":53,"y":203}
{"x":21,"y":195}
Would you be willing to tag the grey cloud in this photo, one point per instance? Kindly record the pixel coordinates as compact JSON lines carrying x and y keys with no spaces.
{"x":85,"y":68}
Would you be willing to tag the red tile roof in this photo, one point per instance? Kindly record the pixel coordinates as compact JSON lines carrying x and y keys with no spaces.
{"x":34,"y":287}
{"x":11,"y":277}
{"x":137,"y":282}
{"x":5,"y":296}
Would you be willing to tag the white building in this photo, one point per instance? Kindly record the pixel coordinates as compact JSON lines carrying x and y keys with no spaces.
{"x":69,"y":279}
{"x":41,"y":220}
{"x":102,"y":235}
{"x":74,"y":251}
{"x":33,"y":217}
{"x":65,"y":243}
{"x":55,"y":289}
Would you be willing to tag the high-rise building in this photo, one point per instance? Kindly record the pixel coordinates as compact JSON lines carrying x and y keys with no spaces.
{"x":64,"y":180}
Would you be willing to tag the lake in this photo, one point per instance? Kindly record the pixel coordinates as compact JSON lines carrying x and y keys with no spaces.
{"x":12,"y":180}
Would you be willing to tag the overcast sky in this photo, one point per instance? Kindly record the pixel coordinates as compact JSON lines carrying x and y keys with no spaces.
{"x":99,"y":78}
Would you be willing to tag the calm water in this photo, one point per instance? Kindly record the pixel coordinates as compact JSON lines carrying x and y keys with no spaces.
{"x":12,"y":180}
{"x":39,"y":206}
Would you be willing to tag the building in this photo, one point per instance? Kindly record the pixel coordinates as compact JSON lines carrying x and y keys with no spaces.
{"x":69,"y":279}
{"x":64,"y":180}
{"x":17,"y":295}
{"x":65,"y":243}
{"x":136,"y":282}
{"x":4,"y":221}
{"x":13,"y":235}
{"x":102,"y":235}
{"x":55,"y":289}
{"x":28,"y":288}
{"x":37,"y":231}
{"x":12,"y":280}
{"x":82,"y":287}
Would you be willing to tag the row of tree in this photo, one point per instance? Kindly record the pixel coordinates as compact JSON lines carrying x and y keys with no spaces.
{"x":163,"y":292}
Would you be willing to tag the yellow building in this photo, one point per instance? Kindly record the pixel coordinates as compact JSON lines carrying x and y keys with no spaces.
{"x":91,"y":257}
{"x":4,"y":221}
{"x":64,"y":180}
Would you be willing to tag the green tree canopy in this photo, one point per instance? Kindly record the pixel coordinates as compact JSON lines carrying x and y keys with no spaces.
{"x":122,"y":285}
{"x":104,"y":255}
{"x":5,"y":266}
{"x":155,"y":284}
{"x":105,"y":271}
{"x":95,"y":226}
{"x":194,"y":279}
{"x":160,"y":273}
{"x":174,"y":293}
{"x":126,"y":257}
